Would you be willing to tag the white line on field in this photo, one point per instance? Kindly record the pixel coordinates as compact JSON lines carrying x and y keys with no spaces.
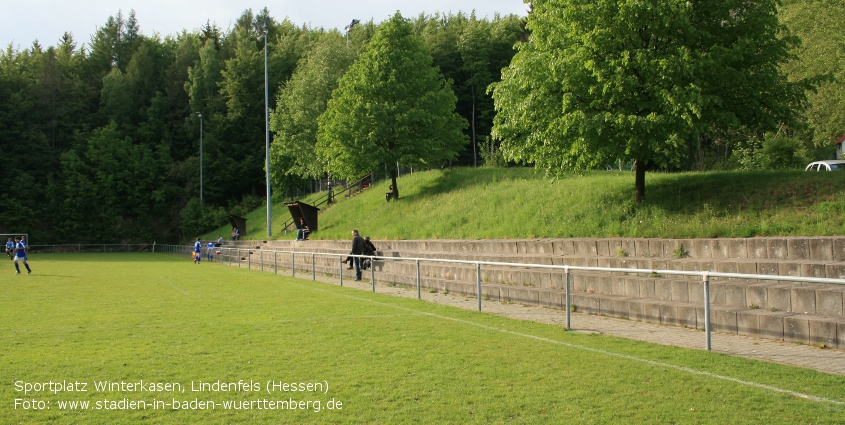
{"x":330,"y":318}
{"x":609,"y":353}
{"x":173,"y":285}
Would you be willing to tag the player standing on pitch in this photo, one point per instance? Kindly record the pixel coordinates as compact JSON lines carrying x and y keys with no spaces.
{"x":197,"y":251}
{"x":20,"y":255}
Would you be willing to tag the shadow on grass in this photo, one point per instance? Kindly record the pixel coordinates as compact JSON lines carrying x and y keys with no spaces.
{"x":466,"y":178}
{"x":731,"y":192}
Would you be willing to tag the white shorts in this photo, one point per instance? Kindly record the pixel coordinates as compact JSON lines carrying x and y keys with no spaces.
{"x":20,"y":258}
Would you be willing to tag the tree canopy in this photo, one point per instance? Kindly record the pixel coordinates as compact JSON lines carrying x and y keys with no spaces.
{"x":600,"y":81}
{"x":392,"y":106}
{"x":301,"y":102}
{"x":100,"y":139}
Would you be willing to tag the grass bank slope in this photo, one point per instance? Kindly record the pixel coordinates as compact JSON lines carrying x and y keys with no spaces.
{"x":492,"y":203}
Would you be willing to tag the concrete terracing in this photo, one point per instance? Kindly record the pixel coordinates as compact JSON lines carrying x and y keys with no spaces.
{"x":797,"y":312}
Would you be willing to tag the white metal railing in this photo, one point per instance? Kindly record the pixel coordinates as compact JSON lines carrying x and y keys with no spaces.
{"x":230,"y":253}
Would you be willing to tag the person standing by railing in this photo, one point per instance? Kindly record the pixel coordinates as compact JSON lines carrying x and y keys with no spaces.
{"x":10,"y":247}
{"x":357,"y":249}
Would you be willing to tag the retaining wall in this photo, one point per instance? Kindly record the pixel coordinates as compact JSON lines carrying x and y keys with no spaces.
{"x":799,"y":312}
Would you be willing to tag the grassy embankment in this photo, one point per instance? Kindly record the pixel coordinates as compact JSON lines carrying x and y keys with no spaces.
{"x":492,"y":203}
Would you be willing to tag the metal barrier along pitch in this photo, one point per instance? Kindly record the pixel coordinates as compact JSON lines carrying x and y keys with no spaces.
{"x":566,"y":269}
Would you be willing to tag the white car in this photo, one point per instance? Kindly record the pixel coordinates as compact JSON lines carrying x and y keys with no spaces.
{"x":832,"y":165}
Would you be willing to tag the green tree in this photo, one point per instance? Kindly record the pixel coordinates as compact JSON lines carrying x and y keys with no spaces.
{"x":301,"y":102}
{"x":116,"y":99}
{"x":392,"y":106}
{"x":474,"y":46}
{"x":605,"y":80}
{"x":819,"y":25}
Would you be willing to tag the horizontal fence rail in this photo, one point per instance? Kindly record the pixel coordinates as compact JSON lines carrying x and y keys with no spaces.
{"x":231,"y":256}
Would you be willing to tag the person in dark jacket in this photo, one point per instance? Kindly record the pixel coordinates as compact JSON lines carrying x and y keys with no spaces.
{"x":369,"y":249}
{"x":358,"y":245}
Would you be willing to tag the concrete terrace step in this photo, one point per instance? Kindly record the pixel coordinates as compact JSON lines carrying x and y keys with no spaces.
{"x":801,"y":312}
{"x":772,"y":248}
{"x":824,"y":264}
{"x":800,"y":297}
{"x":773,"y":296}
{"x":779,"y":325}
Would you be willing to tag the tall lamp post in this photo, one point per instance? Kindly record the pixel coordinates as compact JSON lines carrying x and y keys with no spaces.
{"x":267,"y":131}
{"x":199,"y":114}
{"x":349,"y":28}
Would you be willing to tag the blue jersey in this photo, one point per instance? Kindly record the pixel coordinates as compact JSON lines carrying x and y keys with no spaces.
{"x":20,"y":249}
{"x":197,"y":246}
{"x":210,"y":246}
{"x":10,"y":245}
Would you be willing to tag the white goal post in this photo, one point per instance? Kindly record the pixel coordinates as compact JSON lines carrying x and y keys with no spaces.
{"x":5,"y":238}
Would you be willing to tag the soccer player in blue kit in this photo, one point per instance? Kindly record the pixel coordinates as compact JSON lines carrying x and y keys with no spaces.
{"x":20,"y":255}
{"x":10,"y":248}
{"x":197,"y":251}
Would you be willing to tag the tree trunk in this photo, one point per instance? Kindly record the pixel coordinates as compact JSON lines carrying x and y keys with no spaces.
{"x":329,"y":189}
{"x":474,"y":151}
{"x":393,"y":184}
{"x":639,"y":181}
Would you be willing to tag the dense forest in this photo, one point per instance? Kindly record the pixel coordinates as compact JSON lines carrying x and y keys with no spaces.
{"x":100,"y":140}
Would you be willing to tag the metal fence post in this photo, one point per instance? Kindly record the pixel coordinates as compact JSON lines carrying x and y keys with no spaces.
{"x":249,"y":259}
{"x":340,"y":257}
{"x":239,"y":257}
{"x":313,"y":267}
{"x":706,"y":277}
{"x":478,"y":282}
{"x":373,"y":273}
{"x":419,"y":283}
{"x":275,"y":262}
{"x":293,"y":264}
{"x":568,"y":298}
{"x":261,"y":260}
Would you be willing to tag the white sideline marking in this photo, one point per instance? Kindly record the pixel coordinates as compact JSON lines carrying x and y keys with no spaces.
{"x":609,"y":353}
{"x":331,"y":318}
{"x":173,"y":285}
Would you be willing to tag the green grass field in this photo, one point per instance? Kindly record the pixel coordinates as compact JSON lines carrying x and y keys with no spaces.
{"x":92,"y":318}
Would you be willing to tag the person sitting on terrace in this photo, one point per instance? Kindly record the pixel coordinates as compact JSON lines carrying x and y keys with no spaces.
{"x":303,"y":232}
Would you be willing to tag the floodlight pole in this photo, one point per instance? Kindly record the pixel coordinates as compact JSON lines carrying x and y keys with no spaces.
{"x":267,"y":132}
{"x":199,"y":114}
{"x":349,"y":28}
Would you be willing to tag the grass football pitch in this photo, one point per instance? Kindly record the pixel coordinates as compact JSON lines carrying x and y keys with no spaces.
{"x":154,"y":338}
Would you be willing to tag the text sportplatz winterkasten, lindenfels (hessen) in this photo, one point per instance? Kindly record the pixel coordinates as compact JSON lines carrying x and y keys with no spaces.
{"x":253,"y":395}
